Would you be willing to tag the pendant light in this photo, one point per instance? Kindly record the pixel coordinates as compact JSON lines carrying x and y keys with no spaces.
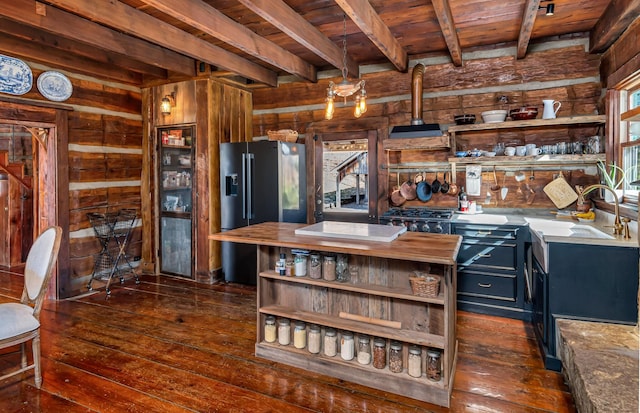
{"x":345,"y":88}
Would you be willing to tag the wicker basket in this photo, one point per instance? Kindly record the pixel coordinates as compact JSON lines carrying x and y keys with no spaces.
{"x":285,"y":135}
{"x":425,"y":286}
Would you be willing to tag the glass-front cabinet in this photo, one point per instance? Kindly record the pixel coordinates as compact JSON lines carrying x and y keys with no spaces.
{"x":176,"y":198}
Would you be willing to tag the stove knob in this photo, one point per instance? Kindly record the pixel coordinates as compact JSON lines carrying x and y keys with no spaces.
{"x":438,"y":229}
{"x":425,"y":228}
{"x":413,"y":227}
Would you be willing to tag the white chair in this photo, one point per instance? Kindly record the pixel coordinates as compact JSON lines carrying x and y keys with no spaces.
{"x":20,"y":322}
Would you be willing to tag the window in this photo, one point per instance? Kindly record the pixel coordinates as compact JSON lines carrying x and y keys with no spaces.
{"x":630,"y":137}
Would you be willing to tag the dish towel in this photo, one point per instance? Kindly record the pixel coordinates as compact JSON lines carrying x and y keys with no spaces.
{"x":474,"y":179}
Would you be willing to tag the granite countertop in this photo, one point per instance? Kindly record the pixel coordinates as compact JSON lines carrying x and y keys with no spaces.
{"x":550,"y":228}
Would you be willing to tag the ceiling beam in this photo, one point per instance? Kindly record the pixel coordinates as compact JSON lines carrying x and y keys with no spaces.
{"x":73,"y":27}
{"x":43,"y":54}
{"x":74,"y":48}
{"x":366,"y":18}
{"x":448,"y":27}
{"x":613,"y":22}
{"x":526,"y":27}
{"x":279,"y":14}
{"x":129,"y":20}
{"x":203,"y":17}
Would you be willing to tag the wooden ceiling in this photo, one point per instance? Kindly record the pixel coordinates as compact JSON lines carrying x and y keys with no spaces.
{"x":146,"y":42}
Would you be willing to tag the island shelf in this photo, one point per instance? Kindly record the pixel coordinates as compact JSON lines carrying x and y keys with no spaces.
{"x":376,"y":302}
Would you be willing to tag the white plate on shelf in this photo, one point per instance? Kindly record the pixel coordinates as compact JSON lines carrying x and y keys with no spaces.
{"x":16,"y":77}
{"x":55,"y":86}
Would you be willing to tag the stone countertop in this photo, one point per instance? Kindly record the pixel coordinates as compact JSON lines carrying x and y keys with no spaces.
{"x":550,"y":228}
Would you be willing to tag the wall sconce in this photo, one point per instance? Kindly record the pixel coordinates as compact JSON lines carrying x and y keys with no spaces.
{"x":167,"y":102}
{"x":549,"y":7}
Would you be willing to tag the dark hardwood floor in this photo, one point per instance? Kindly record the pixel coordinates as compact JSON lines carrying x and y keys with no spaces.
{"x":170,"y":345}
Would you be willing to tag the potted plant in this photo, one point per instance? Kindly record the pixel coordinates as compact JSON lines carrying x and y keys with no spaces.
{"x":613,"y":178}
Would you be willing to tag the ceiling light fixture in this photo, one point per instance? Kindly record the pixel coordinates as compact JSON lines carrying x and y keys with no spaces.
{"x":345,"y":88}
{"x":549,"y":7}
{"x":167,"y":102}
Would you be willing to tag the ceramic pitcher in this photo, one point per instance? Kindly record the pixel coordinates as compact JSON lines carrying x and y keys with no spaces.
{"x":550,"y":108}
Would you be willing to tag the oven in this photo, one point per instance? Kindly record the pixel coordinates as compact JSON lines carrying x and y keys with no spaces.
{"x":437,"y":221}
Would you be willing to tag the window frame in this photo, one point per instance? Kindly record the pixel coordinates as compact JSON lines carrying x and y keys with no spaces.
{"x":624,"y":112}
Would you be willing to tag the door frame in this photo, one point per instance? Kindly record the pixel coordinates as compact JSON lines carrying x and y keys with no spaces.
{"x":51,"y":176}
{"x":376,"y":130}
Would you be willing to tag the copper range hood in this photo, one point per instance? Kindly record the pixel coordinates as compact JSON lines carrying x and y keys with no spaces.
{"x":417,"y":129}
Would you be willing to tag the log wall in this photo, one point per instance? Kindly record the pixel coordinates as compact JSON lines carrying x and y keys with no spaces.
{"x":563,"y":70}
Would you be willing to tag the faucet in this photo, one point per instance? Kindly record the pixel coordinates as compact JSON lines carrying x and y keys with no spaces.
{"x":617,"y":224}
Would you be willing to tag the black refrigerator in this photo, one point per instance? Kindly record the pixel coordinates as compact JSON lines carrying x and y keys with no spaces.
{"x":259,"y":182}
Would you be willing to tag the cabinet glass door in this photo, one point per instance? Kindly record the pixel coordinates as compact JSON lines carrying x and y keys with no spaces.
{"x":176,"y":174}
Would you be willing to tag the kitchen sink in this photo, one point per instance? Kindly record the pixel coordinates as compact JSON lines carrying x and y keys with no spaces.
{"x":557,"y":228}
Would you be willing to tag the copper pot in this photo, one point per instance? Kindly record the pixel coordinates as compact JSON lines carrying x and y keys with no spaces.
{"x":396,"y":197}
{"x":408,"y":190}
{"x":453,"y":189}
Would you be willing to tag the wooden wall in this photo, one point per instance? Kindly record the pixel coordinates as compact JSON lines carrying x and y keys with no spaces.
{"x":103,"y":121}
{"x":562,"y":70}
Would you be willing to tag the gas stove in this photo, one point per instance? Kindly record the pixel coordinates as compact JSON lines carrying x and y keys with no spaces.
{"x":420,"y":219}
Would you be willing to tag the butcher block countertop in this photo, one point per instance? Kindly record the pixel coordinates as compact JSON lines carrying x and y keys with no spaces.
{"x":414,"y":246}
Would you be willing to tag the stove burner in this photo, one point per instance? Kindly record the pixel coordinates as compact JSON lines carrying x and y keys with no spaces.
{"x":420,"y":219}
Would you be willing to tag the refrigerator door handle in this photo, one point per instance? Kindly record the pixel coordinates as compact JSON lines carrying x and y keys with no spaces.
{"x":244,"y":186}
{"x":250,"y":162}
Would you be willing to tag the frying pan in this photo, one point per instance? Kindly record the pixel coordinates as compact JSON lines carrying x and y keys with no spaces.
{"x":424,"y":191}
{"x":408,"y":190}
{"x":444,"y":188}
{"x":435,"y":185}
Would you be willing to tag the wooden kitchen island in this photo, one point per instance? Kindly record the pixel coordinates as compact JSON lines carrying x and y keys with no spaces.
{"x":377,"y":302}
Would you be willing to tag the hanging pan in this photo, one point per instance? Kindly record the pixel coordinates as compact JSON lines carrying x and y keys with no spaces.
{"x":424,"y":191}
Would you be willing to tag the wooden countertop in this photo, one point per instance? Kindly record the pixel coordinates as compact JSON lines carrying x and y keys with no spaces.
{"x":414,"y":246}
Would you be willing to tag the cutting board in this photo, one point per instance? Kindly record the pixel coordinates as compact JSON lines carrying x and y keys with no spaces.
{"x":352,"y":230}
{"x":560,"y":192}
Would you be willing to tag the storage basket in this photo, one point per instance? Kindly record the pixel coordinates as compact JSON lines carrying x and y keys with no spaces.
{"x":285,"y":135}
{"x":425,"y":285}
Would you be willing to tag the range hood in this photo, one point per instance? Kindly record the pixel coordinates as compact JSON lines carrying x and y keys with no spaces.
{"x":417,"y":129}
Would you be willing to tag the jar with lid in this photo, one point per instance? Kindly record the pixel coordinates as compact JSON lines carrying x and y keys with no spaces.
{"x":414,"y":363}
{"x":379,"y":353}
{"x":280,"y":265}
{"x":347,"y":346}
{"x":284,"y":331}
{"x":315,"y":266}
{"x":300,"y":335}
{"x":330,"y":342}
{"x":364,"y":350}
{"x":342,"y":268}
{"x":289,"y":268}
{"x":270,"y":329}
{"x":434,"y":369}
{"x":301,"y":265}
{"x":329,"y":268}
{"x":395,"y":357}
{"x":314,"y":339}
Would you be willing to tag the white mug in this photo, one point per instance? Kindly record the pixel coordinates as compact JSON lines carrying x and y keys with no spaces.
{"x":549,"y":110}
{"x":533,"y":151}
{"x":521,"y":150}
{"x":510,"y":151}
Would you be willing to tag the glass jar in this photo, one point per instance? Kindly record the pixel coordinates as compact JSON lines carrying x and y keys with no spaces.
{"x":314,"y":339}
{"x":330,"y":342}
{"x":364,"y":350}
{"x":414,"y":363}
{"x":270,"y":329}
{"x":284,"y":331}
{"x":342,"y":268}
{"x":379,"y":353}
{"x":301,"y":265}
{"x":347,"y":346}
{"x":434,"y":370}
{"x":315,"y":266}
{"x":395,"y":357}
{"x":300,"y":335}
{"x":329,"y":268}
{"x":289,"y":268}
{"x":280,"y":265}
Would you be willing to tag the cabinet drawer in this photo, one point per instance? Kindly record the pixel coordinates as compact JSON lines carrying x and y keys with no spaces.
{"x":487,"y":285}
{"x":502,"y":255}
{"x":486,"y":232}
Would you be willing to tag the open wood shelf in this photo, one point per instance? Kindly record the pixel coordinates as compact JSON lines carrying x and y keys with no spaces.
{"x":539,"y":160}
{"x":329,"y":320}
{"x":532,"y":123}
{"x":378,"y":290}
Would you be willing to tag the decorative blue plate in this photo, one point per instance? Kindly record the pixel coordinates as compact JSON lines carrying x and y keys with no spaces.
{"x":15,"y":76}
{"x":54,"y":86}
